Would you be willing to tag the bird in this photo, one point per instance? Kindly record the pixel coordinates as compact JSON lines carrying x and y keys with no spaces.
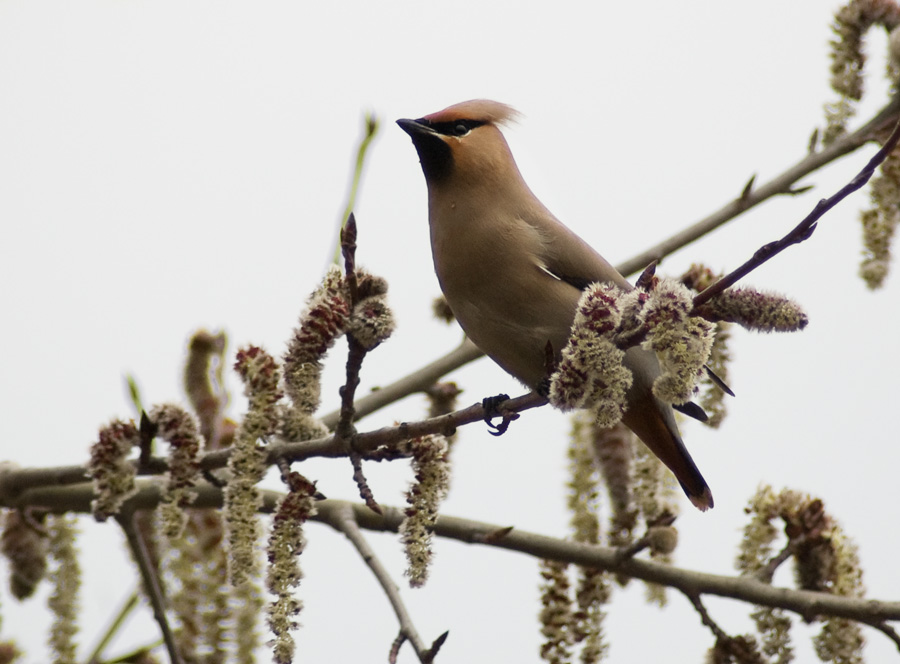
{"x":512,"y":273}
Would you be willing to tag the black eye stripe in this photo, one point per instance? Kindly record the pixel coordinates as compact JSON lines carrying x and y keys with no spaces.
{"x":453,"y":128}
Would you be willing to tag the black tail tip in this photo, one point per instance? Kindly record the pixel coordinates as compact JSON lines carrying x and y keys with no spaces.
{"x":702,"y":501}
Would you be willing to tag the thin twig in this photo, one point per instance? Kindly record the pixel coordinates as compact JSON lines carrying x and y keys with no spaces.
{"x":418,"y":381}
{"x":139,"y":654}
{"x":151,"y":582}
{"x":705,"y":618}
{"x":371,"y":440}
{"x":766,"y":573}
{"x":348,"y":251}
{"x":114,"y":626}
{"x":643,"y":542}
{"x":371,"y":128}
{"x":780,"y":184}
{"x":362,"y":484}
{"x":343,"y":519}
{"x":394,"y":652}
{"x":357,"y":353}
{"x":345,"y":432}
{"x":885,"y":629}
{"x":805,"y":228}
{"x":738,"y":649}
{"x":634,"y":548}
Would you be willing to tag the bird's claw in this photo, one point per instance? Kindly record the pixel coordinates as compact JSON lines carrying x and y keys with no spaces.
{"x":492,"y":410}
{"x":501,"y":428}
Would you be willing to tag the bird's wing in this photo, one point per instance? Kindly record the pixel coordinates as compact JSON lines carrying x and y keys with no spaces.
{"x":568,"y":257}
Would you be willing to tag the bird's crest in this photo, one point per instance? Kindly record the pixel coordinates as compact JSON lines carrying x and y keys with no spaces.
{"x":481,"y":110}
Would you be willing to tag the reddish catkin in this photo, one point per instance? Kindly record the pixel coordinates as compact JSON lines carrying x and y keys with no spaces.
{"x":321,"y":325}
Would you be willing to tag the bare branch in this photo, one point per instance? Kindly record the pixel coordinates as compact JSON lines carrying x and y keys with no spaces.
{"x":357,"y":353}
{"x":348,"y":250}
{"x":805,"y":228}
{"x":781,"y":184}
{"x":644,"y":542}
{"x":768,"y":572}
{"x":341,"y":517}
{"x":806,"y":603}
{"x":371,"y":440}
{"x":15,"y":481}
{"x":362,"y":485}
{"x":705,"y":618}
{"x":371,"y":128}
{"x":885,"y":629}
{"x":151,"y":581}
{"x":344,"y":432}
{"x":129,"y":606}
{"x":417,"y":381}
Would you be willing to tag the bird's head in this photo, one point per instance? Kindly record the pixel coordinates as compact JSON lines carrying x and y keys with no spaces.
{"x":463,"y":142}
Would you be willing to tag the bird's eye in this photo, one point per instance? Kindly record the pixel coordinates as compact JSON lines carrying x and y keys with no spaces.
{"x":457,"y":128}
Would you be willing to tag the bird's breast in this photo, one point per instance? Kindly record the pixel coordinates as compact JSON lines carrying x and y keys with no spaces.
{"x":491,"y":274}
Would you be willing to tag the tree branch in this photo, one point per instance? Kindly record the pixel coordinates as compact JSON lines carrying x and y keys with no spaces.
{"x":806,"y":227}
{"x":885,"y":629}
{"x":419,"y":380}
{"x":340,"y":516}
{"x":344,"y":432}
{"x":114,"y":626}
{"x":14,"y":481}
{"x":806,"y":603}
{"x":705,"y":618}
{"x":151,"y":581}
{"x":780,"y":184}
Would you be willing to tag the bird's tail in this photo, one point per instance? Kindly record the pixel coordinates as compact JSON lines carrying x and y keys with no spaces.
{"x":655,"y":426}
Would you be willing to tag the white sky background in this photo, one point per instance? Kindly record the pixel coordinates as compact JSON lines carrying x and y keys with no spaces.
{"x":169,"y":166}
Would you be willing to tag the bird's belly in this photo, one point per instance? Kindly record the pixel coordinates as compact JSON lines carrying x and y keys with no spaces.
{"x":523,"y":334}
{"x":505,"y":302}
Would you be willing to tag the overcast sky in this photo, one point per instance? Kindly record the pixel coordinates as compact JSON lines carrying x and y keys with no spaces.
{"x":169,"y":166}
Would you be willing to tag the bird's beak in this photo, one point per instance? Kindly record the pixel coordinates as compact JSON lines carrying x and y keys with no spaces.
{"x":414,"y":127}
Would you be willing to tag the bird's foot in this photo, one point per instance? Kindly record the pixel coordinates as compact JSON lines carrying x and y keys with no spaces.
{"x":492,"y":409}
